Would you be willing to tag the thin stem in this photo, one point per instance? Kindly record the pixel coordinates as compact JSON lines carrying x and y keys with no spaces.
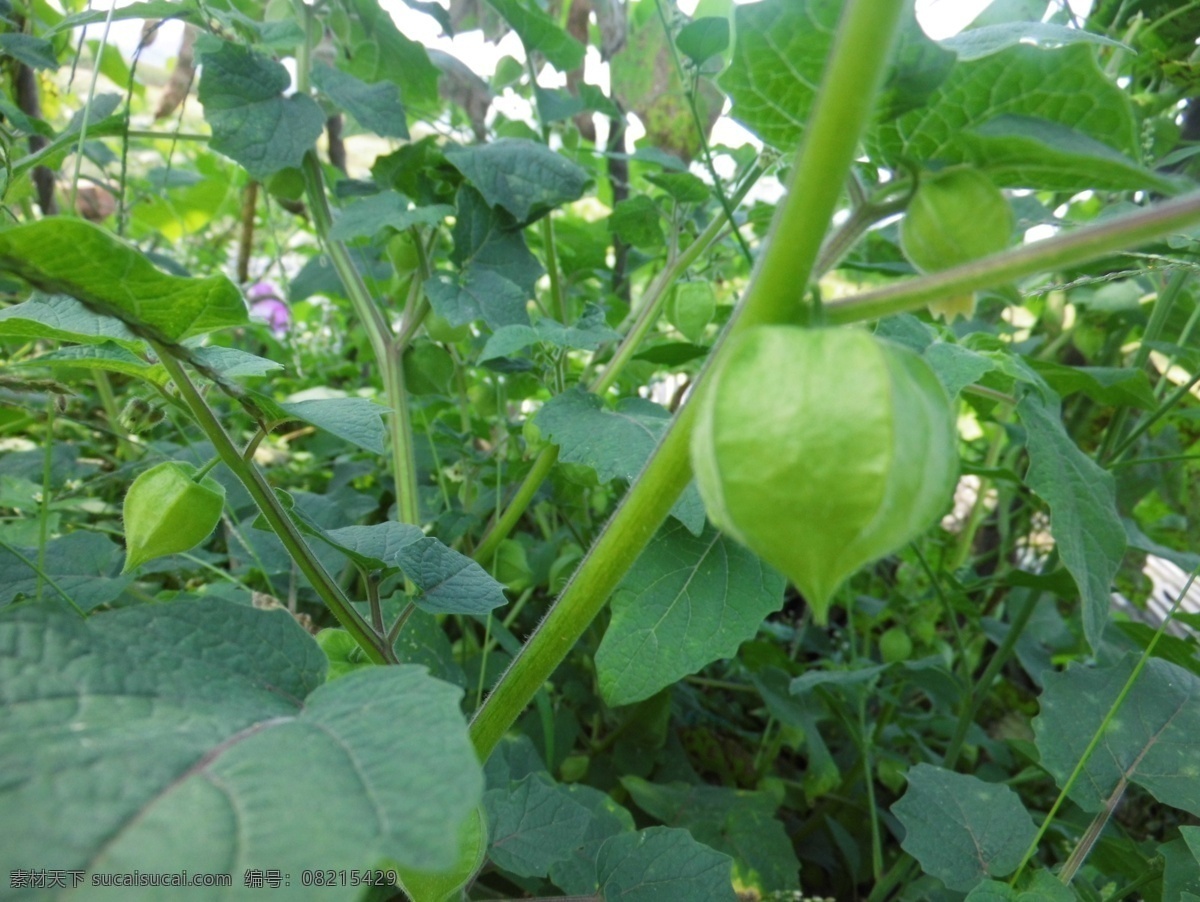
{"x":542,"y":465}
{"x":250,"y":477}
{"x":1163,"y":409}
{"x":966,"y":717}
{"x":842,"y":109}
{"x":87,"y":108}
{"x":1061,"y":251}
{"x":690,"y":94}
{"x":556,"y":289}
{"x":1158,"y":321}
{"x":42,"y":575}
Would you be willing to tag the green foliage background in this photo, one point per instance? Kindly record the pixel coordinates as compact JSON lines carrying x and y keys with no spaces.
{"x":495,"y":327}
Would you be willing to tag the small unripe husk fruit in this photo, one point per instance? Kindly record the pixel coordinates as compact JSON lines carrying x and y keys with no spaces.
{"x":822,"y":450}
{"x":167,"y":512}
{"x":956,"y":216}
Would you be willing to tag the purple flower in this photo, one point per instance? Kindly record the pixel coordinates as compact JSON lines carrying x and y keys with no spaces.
{"x":268,"y":306}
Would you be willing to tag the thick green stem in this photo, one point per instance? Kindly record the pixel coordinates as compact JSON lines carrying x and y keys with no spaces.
{"x":1062,"y":251}
{"x":249,"y":476}
{"x":842,"y":109}
{"x":389,"y":360}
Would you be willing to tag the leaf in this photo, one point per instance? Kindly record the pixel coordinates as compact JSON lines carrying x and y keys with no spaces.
{"x":976,"y":43}
{"x":1044,"y":887}
{"x":34,"y":52}
{"x":1084,"y":522}
{"x":1023,"y":150}
{"x":960,"y":828}
{"x":489,"y":239}
{"x":252,"y":122}
{"x":1150,"y":741}
{"x":576,"y":873}
{"x":1114,"y":386}
{"x":741,"y":824}
{"x":234,"y":363}
{"x":478,"y":293}
{"x":100,"y":121}
{"x":107,"y":356}
{"x":450,"y":582}
{"x":1054,"y":95}
{"x":84,"y":565}
{"x":615,"y":443}
{"x":533,"y":824}
{"x":687,"y":601}
{"x":636,"y":221}
{"x":379,"y":51}
{"x":956,"y":366}
{"x":779,"y":57}
{"x":369,"y":216}
{"x":524,"y":177}
{"x":376,"y":107}
{"x":703,"y":38}
{"x":681,"y":186}
{"x":1181,"y":869}
{"x":814,"y":678}
{"x":588,"y":333}
{"x":110,"y":277}
{"x":211,"y":714}
{"x":662,"y":863}
{"x":357,"y":420}
{"x":448,"y":886}
{"x":540,"y":32}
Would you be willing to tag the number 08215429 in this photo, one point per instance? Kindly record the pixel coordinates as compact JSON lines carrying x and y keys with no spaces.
{"x":348,"y":878}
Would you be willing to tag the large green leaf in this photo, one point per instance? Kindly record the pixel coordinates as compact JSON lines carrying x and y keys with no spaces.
{"x":450,"y":582}
{"x":1044,"y":887}
{"x":478,"y":293}
{"x":779,"y":57}
{"x":490,"y":239}
{"x":741,"y":824}
{"x":35,"y":52}
{"x":369,"y":216}
{"x":540,"y":32}
{"x":252,"y":122}
{"x":961,"y":828}
{"x":688,"y":601}
{"x":524,"y":177}
{"x":976,"y":43}
{"x":1029,"y":117}
{"x":588,"y":333}
{"x":576,"y":873}
{"x":662,"y":863}
{"x":533,"y":824}
{"x":84,"y":566}
{"x":357,"y":420}
{"x":1150,"y":741}
{"x":72,"y":256}
{"x":377,"y":50}
{"x":108,"y":356}
{"x":187,"y":736}
{"x":615,"y":443}
{"x":62,"y":318}
{"x":1084,"y":521}
{"x":376,"y":107}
